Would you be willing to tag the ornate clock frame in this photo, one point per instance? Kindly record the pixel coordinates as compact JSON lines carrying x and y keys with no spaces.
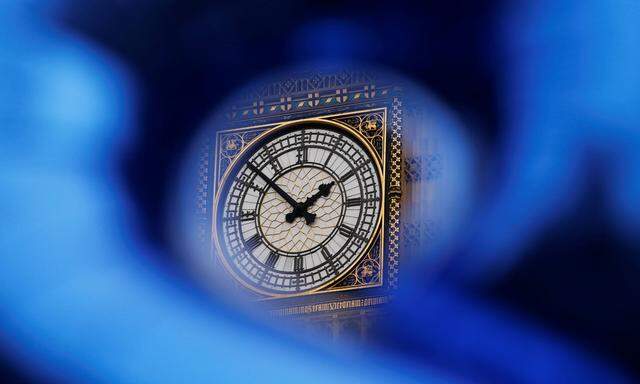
{"x":356,"y":99}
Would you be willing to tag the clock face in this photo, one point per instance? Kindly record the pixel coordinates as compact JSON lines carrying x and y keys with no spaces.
{"x":298,"y":208}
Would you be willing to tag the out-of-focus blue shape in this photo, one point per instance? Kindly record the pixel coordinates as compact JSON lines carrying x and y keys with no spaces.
{"x":81,"y":302}
{"x":484,"y":342}
{"x":334,"y":40}
{"x":79,"y":299}
{"x":571,"y":97}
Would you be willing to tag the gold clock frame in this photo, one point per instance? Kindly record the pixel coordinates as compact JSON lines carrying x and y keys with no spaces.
{"x":378,"y":233}
{"x":346,"y":94}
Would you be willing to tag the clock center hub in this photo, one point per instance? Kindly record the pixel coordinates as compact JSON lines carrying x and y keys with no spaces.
{"x":297,"y":237}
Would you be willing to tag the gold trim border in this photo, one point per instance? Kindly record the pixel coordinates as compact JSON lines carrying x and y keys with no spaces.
{"x":395,"y":191}
{"x":379,"y":230}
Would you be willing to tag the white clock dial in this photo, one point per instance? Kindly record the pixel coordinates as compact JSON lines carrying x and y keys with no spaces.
{"x":298,"y":208}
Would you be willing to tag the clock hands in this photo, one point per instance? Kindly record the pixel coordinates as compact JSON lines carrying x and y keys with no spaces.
{"x":301,"y":209}
{"x":323,"y":190}
{"x":273,"y":185}
{"x":309,"y":217}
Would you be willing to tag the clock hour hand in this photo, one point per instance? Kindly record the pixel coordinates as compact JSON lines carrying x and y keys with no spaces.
{"x":323,"y":190}
{"x":273,"y":185}
{"x":301,"y":209}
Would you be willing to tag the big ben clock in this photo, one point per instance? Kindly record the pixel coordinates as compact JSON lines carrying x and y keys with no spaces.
{"x":299,"y":188}
{"x":309,"y":200}
{"x":299,"y":207}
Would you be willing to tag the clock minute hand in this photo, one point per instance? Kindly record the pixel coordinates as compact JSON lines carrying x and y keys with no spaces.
{"x":273,"y":185}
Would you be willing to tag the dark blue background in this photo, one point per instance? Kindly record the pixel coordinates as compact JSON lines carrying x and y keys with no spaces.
{"x":580,"y":279}
{"x":190,"y":55}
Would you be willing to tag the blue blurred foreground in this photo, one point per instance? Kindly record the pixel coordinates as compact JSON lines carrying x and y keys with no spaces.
{"x":84,"y":299}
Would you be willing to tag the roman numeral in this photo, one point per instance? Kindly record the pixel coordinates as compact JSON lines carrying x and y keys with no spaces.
{"x":325,"y":253}
{"x":298,"y":264}
{"x":249,"y":185}
{"x":354,"y":202}
{"x":253,"y":242}
{"x":334,"y":147}
{"x":243,"y":216}
{"x":275,"y":165}
{"x":273,"y":161}
{"x":303,"y":155}
{"x":347,"y":175}
{"x":345,"y":230}
{"x":352,"y":172}
{"x":247,"y":216}
{"x":272,"y":259}
{"x":327,"y":159}
{"x":329,"y":258}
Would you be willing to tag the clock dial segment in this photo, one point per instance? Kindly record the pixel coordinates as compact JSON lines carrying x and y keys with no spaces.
{"x":298,"y":208}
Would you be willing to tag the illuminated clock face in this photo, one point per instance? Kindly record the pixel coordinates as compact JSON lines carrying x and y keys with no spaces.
{"x":298,"y":208}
